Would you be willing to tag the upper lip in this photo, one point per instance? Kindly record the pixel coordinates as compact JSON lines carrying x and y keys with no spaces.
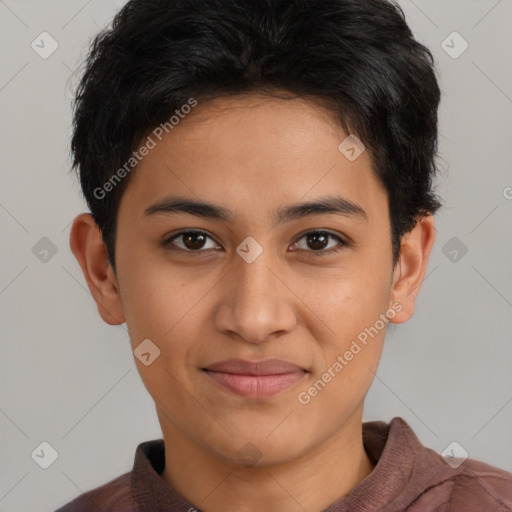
{"x":263,"y":367}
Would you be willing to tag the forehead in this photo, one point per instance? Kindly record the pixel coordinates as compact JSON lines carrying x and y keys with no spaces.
{"x":254,"y":153}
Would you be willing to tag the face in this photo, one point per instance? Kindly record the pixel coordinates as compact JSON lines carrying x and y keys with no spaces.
{"x":311,"y":288}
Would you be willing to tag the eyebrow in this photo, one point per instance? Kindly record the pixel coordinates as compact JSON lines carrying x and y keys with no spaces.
{"x":325,"y":205}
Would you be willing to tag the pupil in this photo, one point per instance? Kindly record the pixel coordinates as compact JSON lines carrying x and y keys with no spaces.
{"x":313,"y":240}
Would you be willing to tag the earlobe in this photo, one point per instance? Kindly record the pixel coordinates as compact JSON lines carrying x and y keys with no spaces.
{"x":411,"y":268}
{"x":87,"y":245}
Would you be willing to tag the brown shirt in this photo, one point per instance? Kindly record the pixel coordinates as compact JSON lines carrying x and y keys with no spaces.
{"x":407,"y":477}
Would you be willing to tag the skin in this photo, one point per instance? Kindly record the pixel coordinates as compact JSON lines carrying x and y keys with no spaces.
{"x":254,"y":155}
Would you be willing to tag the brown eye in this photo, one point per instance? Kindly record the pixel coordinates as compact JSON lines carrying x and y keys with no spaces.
{"x":191,"y":241}
{"x":316,"y":243}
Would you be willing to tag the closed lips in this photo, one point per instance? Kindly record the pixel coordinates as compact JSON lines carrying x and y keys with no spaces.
{"x":263,"y":367}
{"x":255,"y":379}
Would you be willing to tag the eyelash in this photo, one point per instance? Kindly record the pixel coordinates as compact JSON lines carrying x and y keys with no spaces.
{"x":313,"y":254}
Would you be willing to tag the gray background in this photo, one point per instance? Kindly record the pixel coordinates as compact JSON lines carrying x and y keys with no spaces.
{"x":69,"y":379}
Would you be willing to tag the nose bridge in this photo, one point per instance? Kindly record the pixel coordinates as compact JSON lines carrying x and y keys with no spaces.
{"x":257,"y":303}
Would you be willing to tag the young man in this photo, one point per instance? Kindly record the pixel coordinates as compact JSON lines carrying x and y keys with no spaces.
{"x":259,"y":175}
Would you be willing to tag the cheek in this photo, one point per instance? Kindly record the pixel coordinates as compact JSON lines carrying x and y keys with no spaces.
{"x":163,"y":309}
{"x":352,"y":306}
{"x":165,"y":317}
{"x":349,"y":355}
{"x":164,"y":306}
{"x":350,"y":302}
{"x":154,"y":295}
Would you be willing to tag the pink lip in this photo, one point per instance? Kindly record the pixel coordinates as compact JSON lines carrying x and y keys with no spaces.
{"x":255,"y":379}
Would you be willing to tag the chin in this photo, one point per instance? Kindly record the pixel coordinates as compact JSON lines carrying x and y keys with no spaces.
{"x":258,"y":450}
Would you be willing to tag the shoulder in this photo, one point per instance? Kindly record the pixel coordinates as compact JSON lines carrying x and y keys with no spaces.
{"x":473,"y":486}
{"x":114,"y":496}
{"x":476,"y":485}
{"x":433,"y":483}
{"x":141,"y":485}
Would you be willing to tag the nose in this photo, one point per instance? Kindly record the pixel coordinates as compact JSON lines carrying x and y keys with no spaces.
{"x":256,"y":302}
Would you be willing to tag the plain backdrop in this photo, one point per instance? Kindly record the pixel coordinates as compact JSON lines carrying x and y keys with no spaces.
{"x":68,"y":379}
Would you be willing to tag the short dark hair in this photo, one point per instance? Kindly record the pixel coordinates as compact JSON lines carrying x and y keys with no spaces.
{"x":357,"y":58}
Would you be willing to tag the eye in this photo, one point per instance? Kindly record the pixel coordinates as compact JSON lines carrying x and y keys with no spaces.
{"x":318,"y":241}
{"x":191,"y":241}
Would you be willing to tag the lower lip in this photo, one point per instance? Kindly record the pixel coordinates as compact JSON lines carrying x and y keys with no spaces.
{"x":256,"y":385}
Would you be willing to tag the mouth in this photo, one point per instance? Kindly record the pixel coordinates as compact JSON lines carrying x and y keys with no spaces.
{"x":255,"y":379}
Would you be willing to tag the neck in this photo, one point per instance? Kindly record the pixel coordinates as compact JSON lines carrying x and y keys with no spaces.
{"x":311,"y":481}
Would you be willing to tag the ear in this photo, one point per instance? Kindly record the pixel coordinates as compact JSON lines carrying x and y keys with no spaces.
{"x":89,"y":249}
{"x":409,"y":272}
